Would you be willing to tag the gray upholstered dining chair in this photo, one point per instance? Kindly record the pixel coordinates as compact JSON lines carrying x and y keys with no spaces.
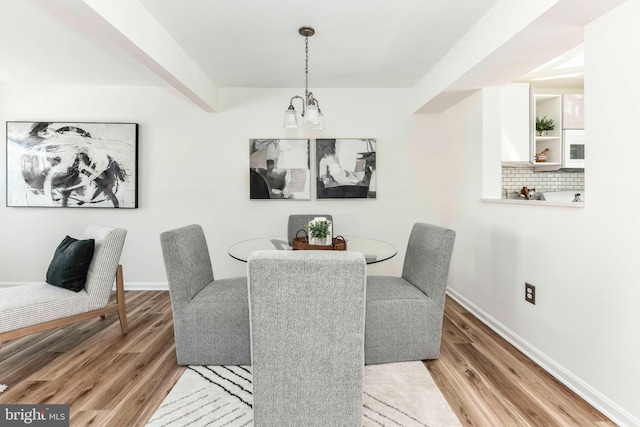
{"x":404,"y":314}
{"x":307,"y":337}
{"x":210,"y":317}
{"x":299,"y":222}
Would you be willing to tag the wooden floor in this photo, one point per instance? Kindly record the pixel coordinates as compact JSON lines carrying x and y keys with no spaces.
{"x":488,"y":382}
{"x":115,"y":380}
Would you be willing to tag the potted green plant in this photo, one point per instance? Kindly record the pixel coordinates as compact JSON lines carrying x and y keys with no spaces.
{"x":544,"y":125}
{"x":319,"y":231}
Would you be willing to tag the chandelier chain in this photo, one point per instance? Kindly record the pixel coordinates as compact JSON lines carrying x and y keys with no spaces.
{"x":306,"y":68}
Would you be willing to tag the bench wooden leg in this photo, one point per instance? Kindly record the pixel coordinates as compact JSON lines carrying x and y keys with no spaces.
{"x":122,"y":310}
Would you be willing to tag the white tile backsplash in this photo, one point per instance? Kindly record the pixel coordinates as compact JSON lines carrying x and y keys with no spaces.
{"x":516,"y":177}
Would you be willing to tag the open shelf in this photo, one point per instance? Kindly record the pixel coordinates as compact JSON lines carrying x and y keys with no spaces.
{"x":549,"y":106}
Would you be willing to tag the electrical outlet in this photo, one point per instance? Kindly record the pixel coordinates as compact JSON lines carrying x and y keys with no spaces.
{"x":529,"y":293}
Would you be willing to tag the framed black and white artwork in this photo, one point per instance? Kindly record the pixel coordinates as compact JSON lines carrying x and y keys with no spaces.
{"x":279,"y":169}
{"x":72,"y":164}
{"x":346,"y":168}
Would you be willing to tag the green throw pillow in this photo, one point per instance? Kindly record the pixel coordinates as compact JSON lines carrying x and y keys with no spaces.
{"x":70,"y":264}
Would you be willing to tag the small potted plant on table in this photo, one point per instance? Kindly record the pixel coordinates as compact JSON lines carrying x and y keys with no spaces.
{"x":320,"y":231}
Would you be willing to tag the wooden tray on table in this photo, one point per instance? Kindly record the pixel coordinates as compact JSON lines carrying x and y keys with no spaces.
{"x":302,"y":244}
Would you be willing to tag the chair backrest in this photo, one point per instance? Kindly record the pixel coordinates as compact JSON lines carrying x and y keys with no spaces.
{"x":300,"y":222}
{"x":186,"y":261}
{"x":106,"y":257}
{"x":426,"y":263}
{"x":306,"y":311}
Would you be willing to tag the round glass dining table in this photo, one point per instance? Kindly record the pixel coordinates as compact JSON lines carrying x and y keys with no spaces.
{"x":373,"y":250}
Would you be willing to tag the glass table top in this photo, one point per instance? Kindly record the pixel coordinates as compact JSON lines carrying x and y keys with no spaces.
{"x":373,"y":250}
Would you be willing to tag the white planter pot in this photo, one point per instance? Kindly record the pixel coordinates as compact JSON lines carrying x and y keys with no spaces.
{"x":318,"y":241}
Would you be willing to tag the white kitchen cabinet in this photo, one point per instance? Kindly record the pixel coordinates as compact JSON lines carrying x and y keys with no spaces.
{"x":573,"y":111}
{"x":520,"y":141}
{"x":515,"y":122}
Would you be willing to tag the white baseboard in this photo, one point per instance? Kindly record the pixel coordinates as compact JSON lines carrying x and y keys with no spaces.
{"x":605,"y":405}
{"x":128,"y":286}
{"x":141,"y":286}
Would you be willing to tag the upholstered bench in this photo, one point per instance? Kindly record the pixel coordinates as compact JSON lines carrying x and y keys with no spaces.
{"x":38,"y":307}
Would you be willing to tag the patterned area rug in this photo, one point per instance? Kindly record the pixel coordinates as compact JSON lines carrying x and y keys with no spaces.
{"x":395,"y":394}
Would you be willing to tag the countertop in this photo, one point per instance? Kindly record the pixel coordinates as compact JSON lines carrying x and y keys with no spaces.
{"x":534,"y":202}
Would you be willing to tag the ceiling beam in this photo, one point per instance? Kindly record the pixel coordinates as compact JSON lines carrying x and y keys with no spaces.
{"x":131,"y":27}
{"x":510,"y":40}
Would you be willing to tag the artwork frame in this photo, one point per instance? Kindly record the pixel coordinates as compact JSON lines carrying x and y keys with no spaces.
{"x":72,"y":164}
{"x":280,"y":169}
{"x":346,"y":168}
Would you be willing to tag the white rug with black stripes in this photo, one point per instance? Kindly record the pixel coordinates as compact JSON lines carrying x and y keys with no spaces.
{"x":395,"y":394}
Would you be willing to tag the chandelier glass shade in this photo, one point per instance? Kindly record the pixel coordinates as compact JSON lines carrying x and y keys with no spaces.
{"x":311,"y":114}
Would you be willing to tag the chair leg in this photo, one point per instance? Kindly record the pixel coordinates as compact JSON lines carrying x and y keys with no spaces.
{"x":122,"y":310}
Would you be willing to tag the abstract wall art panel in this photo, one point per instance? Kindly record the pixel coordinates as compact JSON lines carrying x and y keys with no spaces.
{"x":74,"y":164}
{"x":279,"y":169}
{"x":346,"y":168}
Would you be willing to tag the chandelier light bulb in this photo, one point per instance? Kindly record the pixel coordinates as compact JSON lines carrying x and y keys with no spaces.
{"x":319,"y":125}
{"x":290,"y":118}
{"x":311,"y":115}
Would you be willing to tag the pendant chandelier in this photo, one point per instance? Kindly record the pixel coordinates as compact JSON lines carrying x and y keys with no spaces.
{"x":311,"y":114}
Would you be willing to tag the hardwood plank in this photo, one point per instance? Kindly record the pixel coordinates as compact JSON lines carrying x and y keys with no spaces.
{"x":80,"y":380}
{"x":144,"y":334}
{"x":470,"y":406}
{"x":147,"y":364}
{"x":110,"y":379}
{"x":134,"y":409}
{"x":90,"y":418}
{"x":489,"y":382}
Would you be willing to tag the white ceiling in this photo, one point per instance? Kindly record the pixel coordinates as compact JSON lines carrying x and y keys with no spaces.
{"x":255,"y":43}
{"x":43,"y":43}
{"x":243,"y":43}
{"x":565,"y":71}
{"x":358,"y":43}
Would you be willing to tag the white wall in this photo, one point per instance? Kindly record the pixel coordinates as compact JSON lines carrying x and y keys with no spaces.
{"x":193,"y":168}
{"x":583,"y":262}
